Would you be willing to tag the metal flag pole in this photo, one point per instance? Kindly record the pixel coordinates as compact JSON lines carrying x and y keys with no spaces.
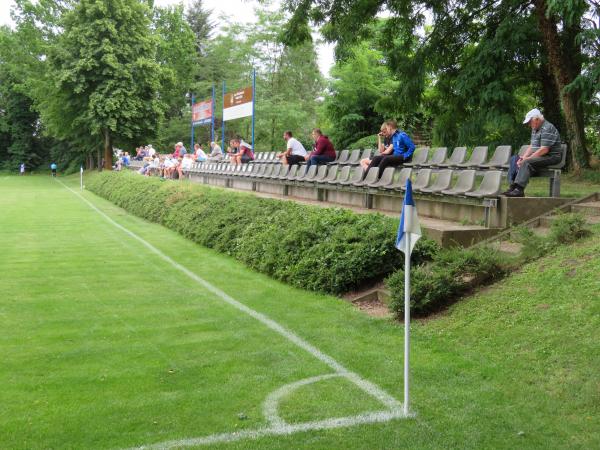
{"x":223,"y":122}
{"x":406,"y":324}
{"x":253,"y":103}
{"x":212,"y":120}
{"x":192,"y":140}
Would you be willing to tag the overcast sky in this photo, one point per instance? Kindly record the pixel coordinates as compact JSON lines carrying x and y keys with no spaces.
{"x":236,"y":10}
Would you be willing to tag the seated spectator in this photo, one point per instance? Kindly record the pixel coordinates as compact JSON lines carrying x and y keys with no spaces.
{"x":323,"y":151}
{"x":150,"y":150}
{"x":199,"y":154}
{"x":402,"y":149}
{"x":232,"y":149}
{"x":544,"y":150}
{"x":216,"y":154}
{"x":169,"y":166}
{"x":126,"y":159}
{"x":179,"y":150}
{"x":141,"y":153}
{"x":185,"y":165}
{"x":384,"y":146}
{"x":295,"y":152}
{"x":244,"y":153}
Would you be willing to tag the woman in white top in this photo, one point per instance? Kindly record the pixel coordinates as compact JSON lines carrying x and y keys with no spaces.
{"x":199,"y":154}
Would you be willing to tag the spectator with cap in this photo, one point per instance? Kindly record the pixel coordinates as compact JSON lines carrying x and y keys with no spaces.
{"x":544,"y":150}
{"x":295,"y":152}
{"x":323,"y":150}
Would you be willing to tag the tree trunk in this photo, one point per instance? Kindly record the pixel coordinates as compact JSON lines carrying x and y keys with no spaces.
{"x":551,"y":96}
{"x":564,"y":73}
{"x":108,"y":150}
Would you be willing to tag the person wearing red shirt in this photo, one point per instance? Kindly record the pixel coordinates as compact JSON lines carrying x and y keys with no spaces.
{"x":323,"y":151}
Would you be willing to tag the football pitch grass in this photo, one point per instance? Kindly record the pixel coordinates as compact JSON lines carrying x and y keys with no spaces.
{"x":119,"y":333}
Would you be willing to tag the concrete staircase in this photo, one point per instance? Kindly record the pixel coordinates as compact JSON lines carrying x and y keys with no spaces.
{"x":588,"y":206}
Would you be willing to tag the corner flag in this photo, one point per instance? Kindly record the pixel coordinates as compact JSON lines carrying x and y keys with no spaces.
{"x":409,"y":230}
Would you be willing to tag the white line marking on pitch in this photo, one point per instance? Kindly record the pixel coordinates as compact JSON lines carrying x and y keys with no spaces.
{"x":370,"y":388}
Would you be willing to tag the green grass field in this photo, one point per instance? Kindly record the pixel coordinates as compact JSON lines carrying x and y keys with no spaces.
{"x":107,"y":343}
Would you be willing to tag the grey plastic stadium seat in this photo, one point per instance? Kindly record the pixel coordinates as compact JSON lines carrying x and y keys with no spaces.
{"x":490,"y":185}
{"x":331,"y":174}
{"x":371,"y":177}
{"x":300,"y":173}
{"x":267,"y":172}
{"x":283,"y":171}
{"x":355,"y":176}
{"x":464,"y":183}
{"x":353,"y":158}
{"x":458,"y":157}
{"x":276,"y":171}
{"x":366,"y":154}
{"x":477,"y":158}
{"x":422,"y":180}
{"x":500,"y":158}
{"x":400,"y":183}
{"x":442,"y":182}
{"x":437,"y":157}
{"x":342,"y":157}
{"x":419,"y":157}
{"x":563,"y":160}
{"x":342,"y":175}
{"x":523,"y":149}
{"x":311,"y":173}
{"x":290,"y":173}
{"x":387,"y":178}
{"x":258,"y":173}
{"x":321,"y":173}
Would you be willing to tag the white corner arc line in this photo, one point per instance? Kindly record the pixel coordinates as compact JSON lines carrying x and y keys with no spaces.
{"x":370,"y":388}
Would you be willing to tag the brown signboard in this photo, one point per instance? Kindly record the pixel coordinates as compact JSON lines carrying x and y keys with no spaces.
{"x":238,"y":97}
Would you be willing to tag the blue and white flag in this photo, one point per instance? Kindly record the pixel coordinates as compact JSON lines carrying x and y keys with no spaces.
{"x":409,"y":222}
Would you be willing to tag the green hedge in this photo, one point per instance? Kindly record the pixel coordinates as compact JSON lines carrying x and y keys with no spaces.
{"x":323,"y":249}
{"x":451,"y":273}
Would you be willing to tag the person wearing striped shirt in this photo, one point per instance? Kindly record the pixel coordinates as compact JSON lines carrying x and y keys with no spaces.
{"x":544,"y":150}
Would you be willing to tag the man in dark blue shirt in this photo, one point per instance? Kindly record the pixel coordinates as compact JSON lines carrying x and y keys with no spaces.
{"x":400,"y":152}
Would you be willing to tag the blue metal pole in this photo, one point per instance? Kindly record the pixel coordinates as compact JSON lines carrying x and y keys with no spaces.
{"x":192,"y":140}
{"x":253,"y":103}
{"x":223,"y":123}
{"x":212,"y":125}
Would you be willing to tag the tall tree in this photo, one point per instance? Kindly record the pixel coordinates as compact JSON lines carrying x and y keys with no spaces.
{"x":107,"y":77}
{"x":201,"y":24}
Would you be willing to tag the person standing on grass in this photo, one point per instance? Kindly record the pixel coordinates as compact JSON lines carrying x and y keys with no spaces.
{"x":545,"y":149}
{"x":53,"y":168}
{"x":295,"y":152}
{"x":401,"y":151}
{"x":22,"y":169}
{"x":323,"y":150}
{"x":384,"y":146}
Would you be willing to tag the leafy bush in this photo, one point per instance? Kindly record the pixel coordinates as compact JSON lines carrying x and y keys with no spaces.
{"x":451,"y":274}
{"x":366,"y":142}
{"x":323,"y":249}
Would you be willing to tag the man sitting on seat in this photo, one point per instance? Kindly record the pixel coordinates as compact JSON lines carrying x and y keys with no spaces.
{"x":295,"y":152}
{"x":216,"y":154}
{"x":401,"y":151}
{"x":384,"y":147}
{"x":544,"y":150}
{"x":244,"y":154}
{"x":323,"y":151}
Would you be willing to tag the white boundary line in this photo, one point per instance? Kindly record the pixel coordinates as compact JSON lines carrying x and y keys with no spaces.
{"x":394,"y":406}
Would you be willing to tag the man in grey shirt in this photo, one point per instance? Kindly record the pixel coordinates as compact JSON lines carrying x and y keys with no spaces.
{"x":216,"y":154}
{"x":544,"y":150}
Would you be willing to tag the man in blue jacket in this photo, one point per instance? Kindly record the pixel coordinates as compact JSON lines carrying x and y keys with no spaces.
{"x":398,"y":153}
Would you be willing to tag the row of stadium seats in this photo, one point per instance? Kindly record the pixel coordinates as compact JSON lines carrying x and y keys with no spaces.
{"x":426,"y":180}
{"x":436,"y":158}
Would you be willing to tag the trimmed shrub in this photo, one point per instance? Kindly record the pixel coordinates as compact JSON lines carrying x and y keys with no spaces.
{"x":332,"y":250}
{"x":451,"y":273}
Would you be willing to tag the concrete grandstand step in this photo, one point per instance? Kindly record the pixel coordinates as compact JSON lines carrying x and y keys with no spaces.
{"x":541,"y":231}
{"x":509,"y":247}
{"x":587,"y":208}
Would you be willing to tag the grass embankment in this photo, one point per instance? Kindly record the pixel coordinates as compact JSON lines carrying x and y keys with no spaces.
{"x":105,"y":345}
